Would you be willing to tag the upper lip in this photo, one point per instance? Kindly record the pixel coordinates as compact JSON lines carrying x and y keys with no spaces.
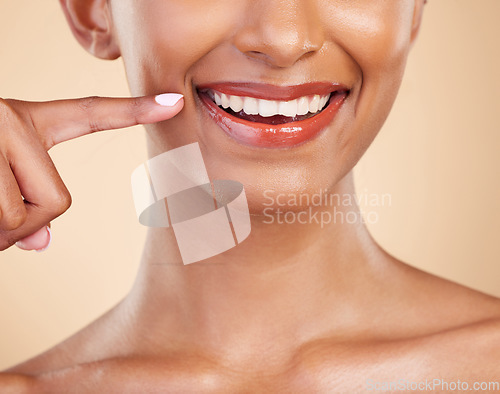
{"x":273,"y":92}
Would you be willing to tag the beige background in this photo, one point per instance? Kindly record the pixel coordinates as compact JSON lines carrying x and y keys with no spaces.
{"x":437,"y":157}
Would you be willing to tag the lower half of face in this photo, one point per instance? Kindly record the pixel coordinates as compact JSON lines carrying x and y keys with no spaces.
{"x":280,"y":95}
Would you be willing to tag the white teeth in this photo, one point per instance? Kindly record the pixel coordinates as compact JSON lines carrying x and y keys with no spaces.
{"x":267,"y":108}
{"x":288,"y":108}
{"x":217,"y":99}
{"x":236,"y":103}
{"x":303,"y":106}
{"x":251,"y":106}
{"x":314,"y":104}
{"x":323,"y":101}
{"x":224,"y":100}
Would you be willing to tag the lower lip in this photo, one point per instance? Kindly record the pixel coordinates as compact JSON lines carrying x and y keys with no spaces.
{"x":274,"y":136}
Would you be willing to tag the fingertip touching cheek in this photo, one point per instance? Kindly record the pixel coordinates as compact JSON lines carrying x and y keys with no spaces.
{"x":249,"y":69}
{"x":163,"y":41}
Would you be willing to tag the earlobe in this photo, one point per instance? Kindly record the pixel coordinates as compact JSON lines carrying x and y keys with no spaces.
{"x":91,"y":24}
{"x":417,"y":19}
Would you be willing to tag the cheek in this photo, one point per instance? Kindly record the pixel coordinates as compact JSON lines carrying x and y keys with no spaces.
{"x":376,"y":36}
{"x":162,"y":40}
{"x":375,"y":33}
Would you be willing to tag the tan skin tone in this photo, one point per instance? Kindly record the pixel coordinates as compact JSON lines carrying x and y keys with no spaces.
{"x":294,"y":308}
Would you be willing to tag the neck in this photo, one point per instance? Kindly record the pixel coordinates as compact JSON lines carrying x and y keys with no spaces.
{"x":278,"y":288}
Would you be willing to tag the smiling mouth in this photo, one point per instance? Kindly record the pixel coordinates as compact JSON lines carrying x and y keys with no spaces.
{"x":273,"y":112}
{"x":270,"y":116}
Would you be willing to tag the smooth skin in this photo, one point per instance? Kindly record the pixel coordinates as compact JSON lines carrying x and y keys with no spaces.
{"x":294,"y":308}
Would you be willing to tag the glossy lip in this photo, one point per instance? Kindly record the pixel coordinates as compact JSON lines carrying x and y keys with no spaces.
{"x":274,"y":136}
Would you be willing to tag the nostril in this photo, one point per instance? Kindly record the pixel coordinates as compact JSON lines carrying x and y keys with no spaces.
{"x":281,"y":56}
{"x":258,"y":56}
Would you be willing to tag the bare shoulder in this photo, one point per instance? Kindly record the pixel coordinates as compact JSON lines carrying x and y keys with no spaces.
{"x":469,"y":353}
{"x":131,"y":374}
{"x":100,"y":339}
{"x":452,"y":355}
{"x":479,"y":343}
{"x":423,"y":318}
{"x":437,"y":304}
{"x":442,"y":326}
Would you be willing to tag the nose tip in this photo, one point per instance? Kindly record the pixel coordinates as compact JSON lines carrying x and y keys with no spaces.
{"x":280,"y":33}
{"x":285,"y":53}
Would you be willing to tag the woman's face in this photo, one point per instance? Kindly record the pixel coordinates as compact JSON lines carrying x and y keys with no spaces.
{"x":355,"y":49}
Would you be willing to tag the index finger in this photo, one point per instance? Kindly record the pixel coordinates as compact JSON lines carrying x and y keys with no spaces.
{"x":63,"y":120}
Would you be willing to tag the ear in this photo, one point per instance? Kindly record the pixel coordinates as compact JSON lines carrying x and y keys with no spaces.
{"x":418,"y":11}
{"x":91,"y":24}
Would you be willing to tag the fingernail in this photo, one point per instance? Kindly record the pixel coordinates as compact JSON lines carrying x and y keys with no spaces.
{"x":50,"y":240}
{"x":168,"y":99}
{"x":21,"y":245}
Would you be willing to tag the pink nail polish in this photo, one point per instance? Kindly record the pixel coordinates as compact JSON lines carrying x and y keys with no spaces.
{"x":168,"y":99}
{"x":50,"y":240}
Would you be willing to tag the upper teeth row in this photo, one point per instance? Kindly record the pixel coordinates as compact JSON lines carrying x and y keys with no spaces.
{"x":266,"y":108}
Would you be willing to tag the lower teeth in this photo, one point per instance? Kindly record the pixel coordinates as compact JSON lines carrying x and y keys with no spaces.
{"x":273,"y":120}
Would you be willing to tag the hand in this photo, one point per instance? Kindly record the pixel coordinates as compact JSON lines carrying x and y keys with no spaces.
{"x":31,"y":191}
